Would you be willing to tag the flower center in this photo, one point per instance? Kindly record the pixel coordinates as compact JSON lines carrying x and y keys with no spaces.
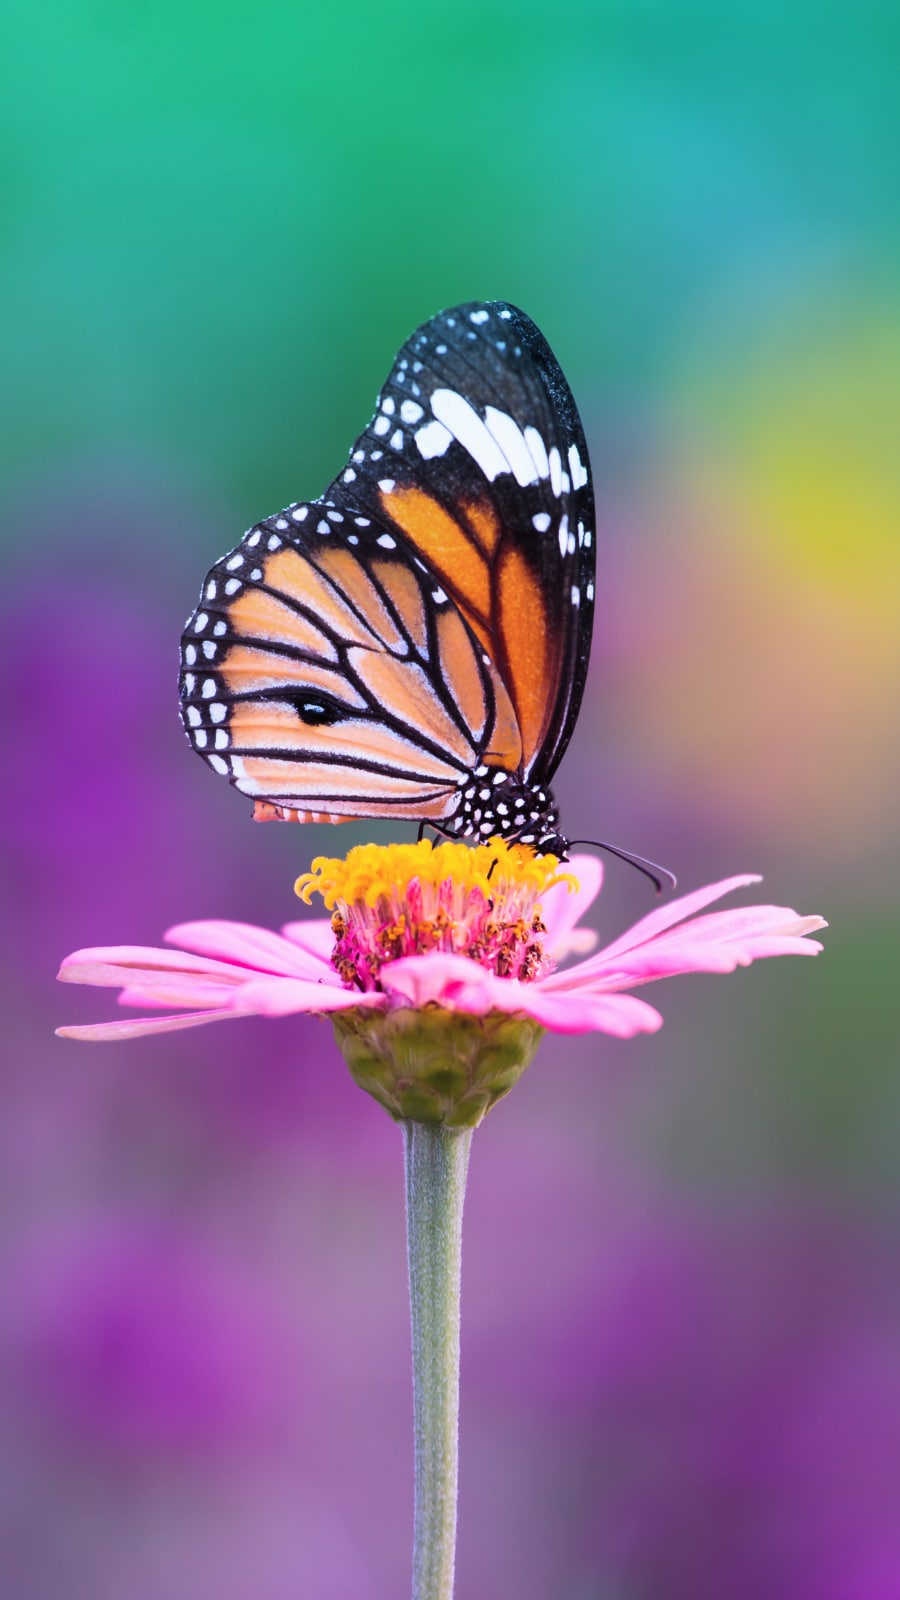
{"x":395,"y":900}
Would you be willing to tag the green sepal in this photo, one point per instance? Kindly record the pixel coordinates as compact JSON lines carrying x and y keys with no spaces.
{"x":436,"y":1066}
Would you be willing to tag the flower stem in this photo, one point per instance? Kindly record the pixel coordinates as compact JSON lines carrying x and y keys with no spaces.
{"x":436,"y":1161}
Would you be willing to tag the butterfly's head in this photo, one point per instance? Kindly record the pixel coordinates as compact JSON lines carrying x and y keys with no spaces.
{"x":553,"y":844}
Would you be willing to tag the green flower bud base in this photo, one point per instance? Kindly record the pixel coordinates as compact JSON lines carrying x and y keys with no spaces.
{"x":436,"y":1066}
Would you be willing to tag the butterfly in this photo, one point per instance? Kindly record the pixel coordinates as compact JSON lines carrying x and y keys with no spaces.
{"x":414,"y":644}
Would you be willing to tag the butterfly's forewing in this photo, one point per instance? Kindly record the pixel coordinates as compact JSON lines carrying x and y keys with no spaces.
{"x":429,"y":617}
{"x":477,"y":453}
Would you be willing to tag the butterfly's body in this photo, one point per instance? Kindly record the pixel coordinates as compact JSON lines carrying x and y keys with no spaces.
{"x":414,"y":644}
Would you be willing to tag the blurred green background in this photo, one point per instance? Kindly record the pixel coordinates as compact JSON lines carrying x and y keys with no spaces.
{"x":681,"y":1323}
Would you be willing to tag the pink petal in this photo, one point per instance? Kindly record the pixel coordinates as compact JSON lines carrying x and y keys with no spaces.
{"x":317,"y":937}
{"x":439,"y":978}
{"x":648,"y":965}
{"x":280,"y":997}
{"x":698,"y":949}
{"x":156,"y":986}
{"x":658,"y":921}
{"x":177,"y":989}
{"x":719,"y":942}
{"x":563,"y":908}
{"x":107,"y":1032}
{"x":259,"y":949}
{"x":460,"y":984}
{"x":580,"y":942}
{"x":618,"y":1014}
{"x":113,"y":964}
{"x":741,"y":922}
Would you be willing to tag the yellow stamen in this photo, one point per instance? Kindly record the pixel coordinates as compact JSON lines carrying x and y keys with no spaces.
{"x":372,"y":873}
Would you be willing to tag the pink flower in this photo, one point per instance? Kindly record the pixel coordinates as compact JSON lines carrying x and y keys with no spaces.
{"x":226,"y":969}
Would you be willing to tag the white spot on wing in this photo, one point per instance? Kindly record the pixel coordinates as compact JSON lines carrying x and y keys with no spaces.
{"x":433,"y":440}
{"x":396,"y":439}
{"x":410,"y":411}
{"x":512,"y":442}
{"x":219,"y":764}
{"x":381,"y":425}
{"x":386,"y":542}
{"x":478,"y":316}
{"x":579,"y":472}
{"x":466,"y":425}
{"x":538,"y":451}
{"x":541,"y":521}
{"x":555,"y":470}
{"x":218,"y":713}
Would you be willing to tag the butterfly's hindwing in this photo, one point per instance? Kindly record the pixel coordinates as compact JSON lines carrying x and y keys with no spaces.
{"x":326,"y":676}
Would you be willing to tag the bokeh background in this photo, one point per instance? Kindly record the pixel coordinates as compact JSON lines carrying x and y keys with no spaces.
{"x":681,"y":1367}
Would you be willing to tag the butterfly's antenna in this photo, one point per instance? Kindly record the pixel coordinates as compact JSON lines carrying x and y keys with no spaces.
{"x":661,"y":876}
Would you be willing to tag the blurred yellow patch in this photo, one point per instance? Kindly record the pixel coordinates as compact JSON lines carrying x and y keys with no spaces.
{"x":804,"y":434}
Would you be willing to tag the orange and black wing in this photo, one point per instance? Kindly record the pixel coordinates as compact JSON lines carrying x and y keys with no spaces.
{"x":322,"y":674}
{"x":477,"y":454}
{"x":428,"y":619}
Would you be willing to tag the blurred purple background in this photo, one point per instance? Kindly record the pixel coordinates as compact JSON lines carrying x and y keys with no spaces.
{"x":681,"y":1333}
